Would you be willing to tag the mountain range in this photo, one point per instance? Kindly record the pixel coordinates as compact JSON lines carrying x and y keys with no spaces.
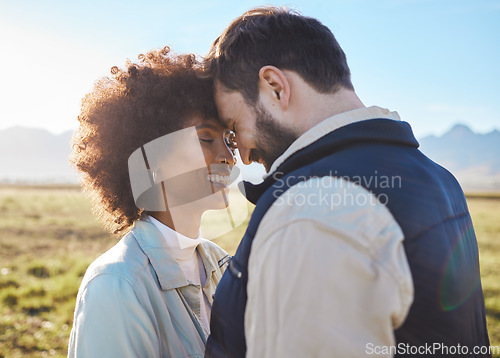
{"x":473,"y":158}
{"x":31,"y":155}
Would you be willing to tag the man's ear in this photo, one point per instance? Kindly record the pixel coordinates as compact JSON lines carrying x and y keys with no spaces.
{"x":273,"y":82}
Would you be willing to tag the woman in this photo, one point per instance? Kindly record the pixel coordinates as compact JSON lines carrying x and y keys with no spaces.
{"x":153,"y":157}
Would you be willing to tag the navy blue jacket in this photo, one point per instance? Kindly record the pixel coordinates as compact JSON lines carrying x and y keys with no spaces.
{"x":428,"y":205}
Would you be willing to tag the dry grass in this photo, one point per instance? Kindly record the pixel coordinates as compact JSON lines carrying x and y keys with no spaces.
{"x":486,"y":217}
{"x":48,"y":237}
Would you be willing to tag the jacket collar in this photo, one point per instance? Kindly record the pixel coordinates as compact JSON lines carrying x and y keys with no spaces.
{"x":332,"y":135}
{"x":168,"y":271}
{"x":330,"y":124}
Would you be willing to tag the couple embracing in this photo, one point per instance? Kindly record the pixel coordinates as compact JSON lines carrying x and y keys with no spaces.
{"x":329,"y":266}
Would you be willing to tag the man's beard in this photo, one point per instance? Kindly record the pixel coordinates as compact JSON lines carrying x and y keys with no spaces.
{"x":271,"y":138}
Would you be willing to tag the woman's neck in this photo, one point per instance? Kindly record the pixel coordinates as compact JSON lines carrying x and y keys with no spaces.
{"x":185,"y":222}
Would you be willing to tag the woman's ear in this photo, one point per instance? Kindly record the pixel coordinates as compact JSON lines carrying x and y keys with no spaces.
{"x":274,"y":84}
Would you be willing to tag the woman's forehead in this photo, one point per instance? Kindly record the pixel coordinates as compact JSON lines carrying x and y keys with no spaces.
{"x":200,"y":122}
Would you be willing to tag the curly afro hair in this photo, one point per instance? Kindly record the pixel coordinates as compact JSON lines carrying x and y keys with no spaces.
{"x":147,"y":100}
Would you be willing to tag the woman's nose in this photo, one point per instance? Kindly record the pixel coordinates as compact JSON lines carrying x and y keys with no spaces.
{"x":226,"y":155}
{"x":226,"y":158}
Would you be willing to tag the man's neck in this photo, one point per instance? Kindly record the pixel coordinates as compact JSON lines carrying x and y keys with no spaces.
{"x":315,"y":107}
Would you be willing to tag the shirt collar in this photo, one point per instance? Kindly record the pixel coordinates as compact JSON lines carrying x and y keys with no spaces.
{"x":167,"y":269}
{"x":181,"y":247}
{"x":330,"y":124}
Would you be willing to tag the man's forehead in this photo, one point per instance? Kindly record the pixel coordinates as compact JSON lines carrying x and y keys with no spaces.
{"x":220,"y":87}
{"x":222,"y":92}
{"x":228,"y":103}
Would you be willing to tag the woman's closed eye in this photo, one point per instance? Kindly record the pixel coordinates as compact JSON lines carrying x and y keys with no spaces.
{"x":207,"y":140}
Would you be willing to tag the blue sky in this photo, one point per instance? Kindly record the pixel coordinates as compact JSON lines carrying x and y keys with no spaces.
{"x":436,"y":62}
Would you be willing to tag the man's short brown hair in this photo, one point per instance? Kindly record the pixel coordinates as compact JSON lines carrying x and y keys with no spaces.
{"x":280,"y":37}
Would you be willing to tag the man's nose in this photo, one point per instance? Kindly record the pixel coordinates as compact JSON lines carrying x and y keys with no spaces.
{"x":245,"y":155}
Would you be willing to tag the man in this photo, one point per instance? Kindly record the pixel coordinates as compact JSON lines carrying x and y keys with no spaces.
{"x":359,"y":244}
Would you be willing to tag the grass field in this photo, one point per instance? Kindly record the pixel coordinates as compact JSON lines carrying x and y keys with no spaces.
{"x":48,"y":237}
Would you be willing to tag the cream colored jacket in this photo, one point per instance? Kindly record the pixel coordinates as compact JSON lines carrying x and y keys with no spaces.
{"x":326,"y":280}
